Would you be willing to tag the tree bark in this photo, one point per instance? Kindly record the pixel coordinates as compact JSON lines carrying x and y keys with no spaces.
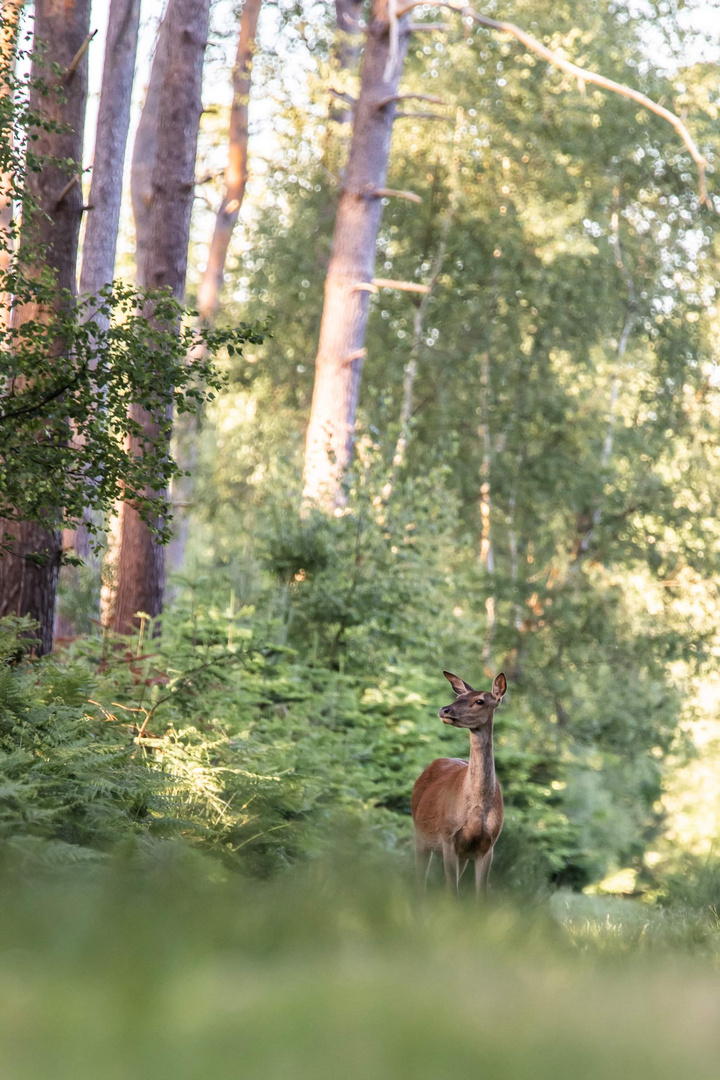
{"x":236,"y":176}
{"x":29,"y":571}
{"x":162,"y":215}
{"x":338,"y":367}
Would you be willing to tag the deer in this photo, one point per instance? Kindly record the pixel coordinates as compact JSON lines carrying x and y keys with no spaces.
{"x":457,"y":805}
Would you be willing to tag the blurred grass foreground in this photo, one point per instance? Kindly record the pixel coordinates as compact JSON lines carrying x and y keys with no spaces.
{"x":155,"y":972}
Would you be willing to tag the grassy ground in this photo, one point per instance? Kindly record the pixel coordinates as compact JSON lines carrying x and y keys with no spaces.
{"x":336,"y":974}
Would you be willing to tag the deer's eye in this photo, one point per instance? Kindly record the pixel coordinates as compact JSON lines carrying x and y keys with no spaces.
{"x":478,"y":702}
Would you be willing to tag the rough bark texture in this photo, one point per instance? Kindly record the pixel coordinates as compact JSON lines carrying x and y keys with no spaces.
{"x":27,"y":588}
{"x":339,"y":363}
{"x":163,"y":224}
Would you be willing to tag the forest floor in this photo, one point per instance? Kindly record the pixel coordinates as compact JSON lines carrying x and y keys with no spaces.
{"x":342,"y":974}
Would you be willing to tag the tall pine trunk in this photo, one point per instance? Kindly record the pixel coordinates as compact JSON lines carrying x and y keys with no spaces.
{"x":172,"y":117}
{"x":339,"y":363}
{"x":29,"y":570}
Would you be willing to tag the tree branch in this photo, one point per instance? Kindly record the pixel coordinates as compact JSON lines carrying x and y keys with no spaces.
{"x":391,"y":193}
{"x":583,"y":76}
{"x":424,"y":116}
{"x":401,"y":286}
{"x":407,"y":97}
{"x":72,"y":66}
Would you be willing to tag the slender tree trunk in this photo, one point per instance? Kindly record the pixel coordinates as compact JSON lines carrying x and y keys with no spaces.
{"x":338,"y":368}
{"x":236,"y":173}
{"x":10,"y":15}
{"x":101,"y":230}
{"x":236,"y":176}
{"x":141,"y":191}
{"x":163,"y":228}
{"x":98,"y":254}
{"x":487,"y":556}
{"x":29,"y":571}
{"x":436,"y":266}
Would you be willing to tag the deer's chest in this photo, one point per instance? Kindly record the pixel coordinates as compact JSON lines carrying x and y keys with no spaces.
{"x":479,"y":832}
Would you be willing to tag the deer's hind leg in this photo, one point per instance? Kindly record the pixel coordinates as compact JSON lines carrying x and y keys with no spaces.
{"x":423,"y":858}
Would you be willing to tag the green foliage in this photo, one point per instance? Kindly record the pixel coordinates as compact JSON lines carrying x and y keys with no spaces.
{"x":66,"y":422}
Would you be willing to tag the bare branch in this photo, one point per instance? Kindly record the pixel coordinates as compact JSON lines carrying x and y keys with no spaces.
{"x":401,"y":286}
{"x":583,"y":76}
{"x":343,"y":96}
{"x":391,"y":193}
{"x":72,"y":66}
{"x":67,"y":189}
{"x":440,"y":26}
{"x":408,"y":97}
{"x":424,"y":116}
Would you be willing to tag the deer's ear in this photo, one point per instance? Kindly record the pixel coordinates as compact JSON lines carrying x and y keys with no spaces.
{"x":499,"y":685}
{"x":458,"y":685}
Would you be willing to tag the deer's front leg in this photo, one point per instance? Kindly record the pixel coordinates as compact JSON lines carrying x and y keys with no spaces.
{"x":482,"y":872}
{"x":453,"y":867}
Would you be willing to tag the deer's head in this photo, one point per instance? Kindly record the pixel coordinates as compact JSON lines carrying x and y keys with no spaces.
{"x":472,"y":708}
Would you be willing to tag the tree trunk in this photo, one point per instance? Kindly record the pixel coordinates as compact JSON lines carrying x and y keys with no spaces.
{"x":162,"y":210}
{"x":10,"y":15}
{"x":236,"y":173}
{"x":338,"y":368}
{"x":100,"y":242}
{"x":98,"y":255}
{"x":29,"y":571}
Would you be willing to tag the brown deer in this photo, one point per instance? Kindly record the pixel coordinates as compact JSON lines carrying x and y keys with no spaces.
{"x":457,"y":806}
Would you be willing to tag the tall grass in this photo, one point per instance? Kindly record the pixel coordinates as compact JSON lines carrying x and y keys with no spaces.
{"x":150,"y":970}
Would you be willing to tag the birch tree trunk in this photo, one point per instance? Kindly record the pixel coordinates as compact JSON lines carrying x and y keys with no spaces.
{"x":29,"y":571}
{"x":163,"y":227}
{"x":10,"y":17}
{"x":236,"y":176}
{"x":339,"y":363}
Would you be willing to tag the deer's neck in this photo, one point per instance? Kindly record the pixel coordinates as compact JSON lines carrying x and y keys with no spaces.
{"x":481,"y":771}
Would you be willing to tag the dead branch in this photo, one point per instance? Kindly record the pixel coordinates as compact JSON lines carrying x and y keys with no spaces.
{"x":424,"y":116}
{"x":391,"y":193}
{"x":408,"y":97}
{"x":343,"y":96}
{"x":72,"y":66}
{"x":583,"y":76}
{"x":401,"y":286}
{"x":67,"y":189}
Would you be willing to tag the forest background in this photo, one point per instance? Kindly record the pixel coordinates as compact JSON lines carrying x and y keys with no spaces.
{"x":518,"y":468}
